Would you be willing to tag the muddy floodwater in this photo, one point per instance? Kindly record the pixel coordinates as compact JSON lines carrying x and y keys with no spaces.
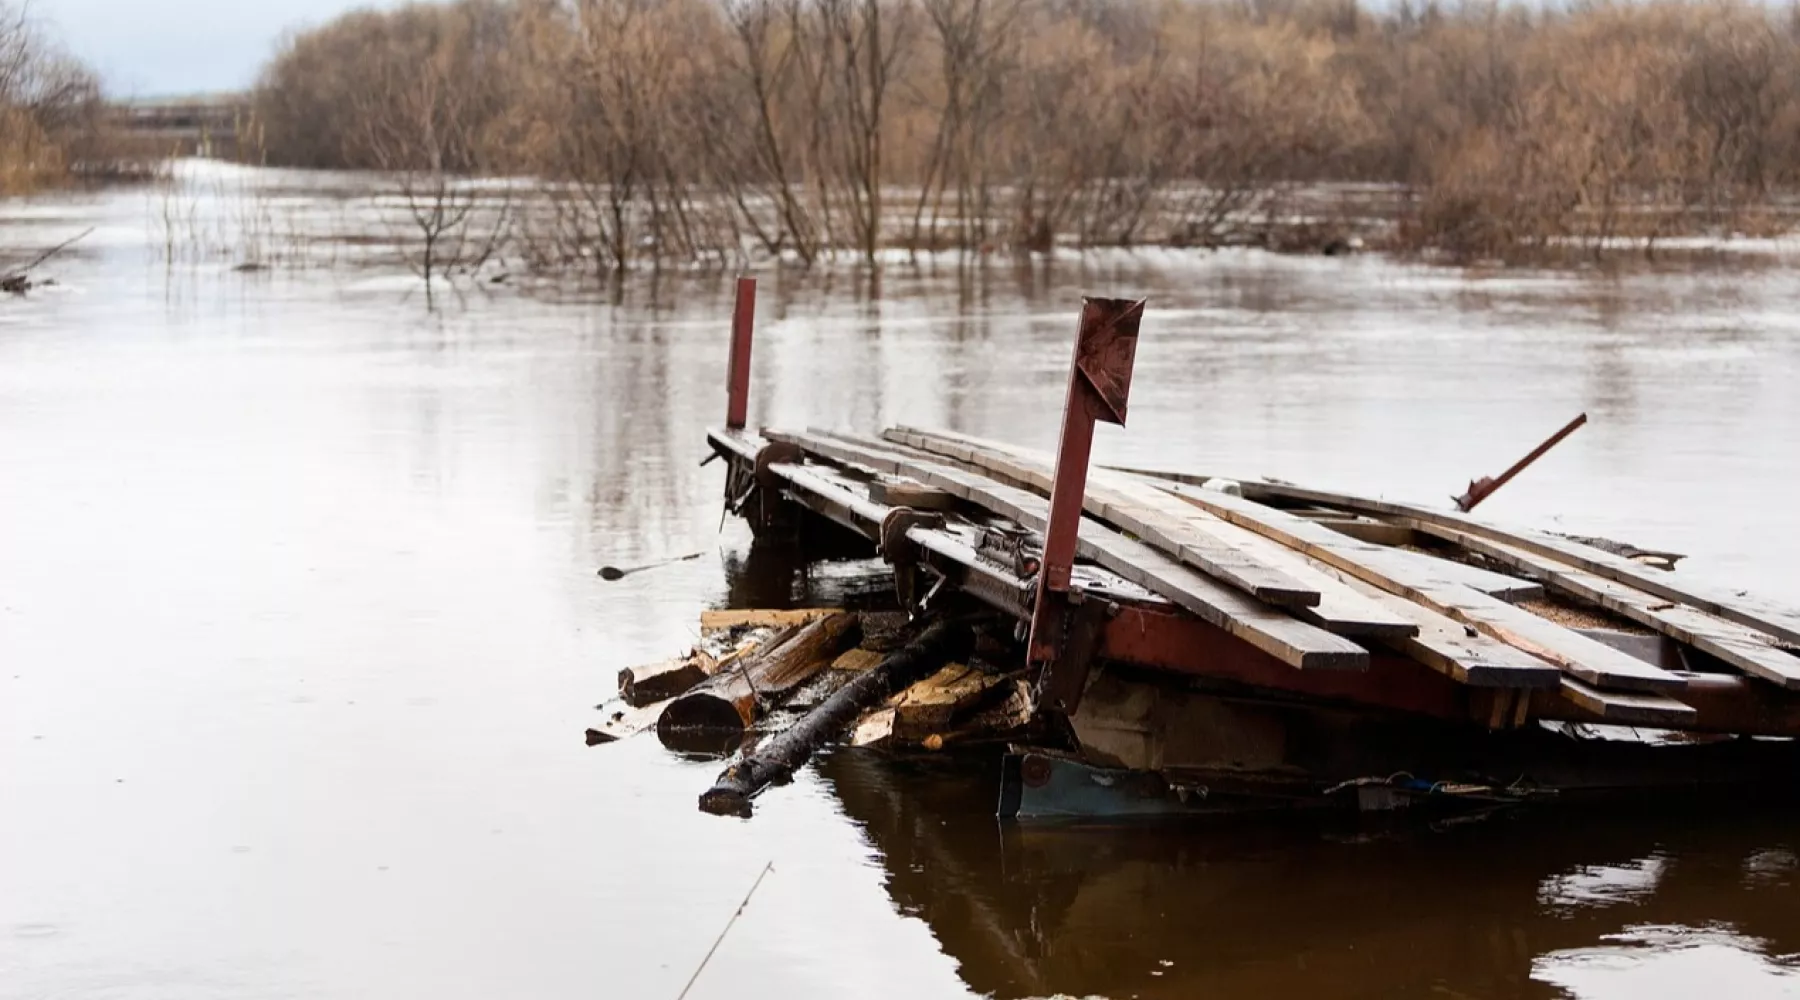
{"x":300,"y":627}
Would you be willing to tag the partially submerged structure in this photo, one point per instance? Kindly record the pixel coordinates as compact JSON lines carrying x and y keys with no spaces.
{"x":1151,"y":641}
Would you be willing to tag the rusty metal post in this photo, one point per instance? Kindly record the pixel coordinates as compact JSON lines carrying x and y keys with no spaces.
{"x":737,"y":379}
{"x":1099,"y":385}
{"x":1484,"y":487}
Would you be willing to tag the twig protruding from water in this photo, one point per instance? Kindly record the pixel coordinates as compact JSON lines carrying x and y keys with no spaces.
{"x":721,"y":938}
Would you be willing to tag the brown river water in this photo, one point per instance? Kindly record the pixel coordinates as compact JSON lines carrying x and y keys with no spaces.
{"x":300,"y":628}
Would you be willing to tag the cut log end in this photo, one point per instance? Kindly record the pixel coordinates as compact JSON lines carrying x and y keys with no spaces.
{"x":703,"y":712}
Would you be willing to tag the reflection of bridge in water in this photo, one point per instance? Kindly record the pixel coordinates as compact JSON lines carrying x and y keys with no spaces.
{"x":1505,"y":908}
{"x":207,"y":126}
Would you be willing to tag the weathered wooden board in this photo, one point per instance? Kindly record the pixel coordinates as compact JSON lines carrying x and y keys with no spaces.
{"x":1752,"y":612}
{"x":714,"y":619}
{"x":1340,"y":609}
{"x":1629,"y":708}
{"x":1294,"y":642}
{"x":931,"y":705}
{"x":856,"y":660}
{"x":1156,"y":518}
{"x":1577,"y":655}
{"x":875,"y":729}
{"x":1462,"y":652}
{"x":1510,"y":589}
{"x":1378,"y":532}
{"x":897,"y":492}
{"x":1742,"y":647}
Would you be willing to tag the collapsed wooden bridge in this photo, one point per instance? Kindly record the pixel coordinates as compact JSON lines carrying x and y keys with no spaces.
{"x":1237,"y":635}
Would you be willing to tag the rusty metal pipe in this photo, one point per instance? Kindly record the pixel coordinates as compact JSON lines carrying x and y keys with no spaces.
{"x":737,"y":379}
{"x":1484,"y":487}
{"x":1099,"y":387}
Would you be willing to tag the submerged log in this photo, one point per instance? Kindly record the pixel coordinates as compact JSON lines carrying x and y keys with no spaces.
{"x":730,"y":701}
{"x":777,"y":759}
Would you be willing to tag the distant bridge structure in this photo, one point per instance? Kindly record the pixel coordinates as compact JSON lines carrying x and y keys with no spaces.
{"x":211,"y":126}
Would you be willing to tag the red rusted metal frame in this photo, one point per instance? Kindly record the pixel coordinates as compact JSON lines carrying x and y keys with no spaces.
{"x":1178,"y":643}
{"x":1099,"y":386}
{"x":1484,"y":487}
{"x":737,"y":379}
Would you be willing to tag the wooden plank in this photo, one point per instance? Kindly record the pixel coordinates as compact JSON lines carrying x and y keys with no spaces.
{"x":1364,"y":529}
{"x":1510,"y":589}
{"x":1577,"y":655}
{"x":897,"y":492}
{"x":1629,"y":709}
{"x":1435,"y":640}
{"x":856,"y":660}
{"x":931,"y":705}
{"x":715,"y":619}
{"x":743,"y":444}
{"x":1294,"y":642}
{"x":1340,"y":609}
{"x":1462,"y":652}
{"x":1744,"y":648}
{"x":1159,"y":519}
{"x":1582,"y":657}
{"x":1783,"y":624}
{"x":875,"y":729}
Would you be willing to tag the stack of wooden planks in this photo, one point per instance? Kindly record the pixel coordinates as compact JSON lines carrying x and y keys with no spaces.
{"x":1318,"y":579}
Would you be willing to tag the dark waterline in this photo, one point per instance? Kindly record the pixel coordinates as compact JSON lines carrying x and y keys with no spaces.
{"x":300,"y":626}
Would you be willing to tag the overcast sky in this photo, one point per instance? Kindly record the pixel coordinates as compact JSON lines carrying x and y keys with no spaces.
{"x":147,"y":48}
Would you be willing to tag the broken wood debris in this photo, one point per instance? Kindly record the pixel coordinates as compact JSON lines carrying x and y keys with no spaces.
{"x":777,"y":758}
{"x":731,"y":700}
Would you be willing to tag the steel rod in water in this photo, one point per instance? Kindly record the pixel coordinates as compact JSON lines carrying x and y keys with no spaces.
{"x":1484,"y":487}
{"x":617,"y":573}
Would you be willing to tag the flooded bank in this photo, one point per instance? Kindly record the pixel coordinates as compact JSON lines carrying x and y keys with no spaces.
{"x":300,"y":624}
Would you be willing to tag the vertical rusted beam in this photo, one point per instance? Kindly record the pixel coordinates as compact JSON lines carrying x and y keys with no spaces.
{"x":1482,"y":488}
{"x":737,"y":379}
{"x":1099,"y":385}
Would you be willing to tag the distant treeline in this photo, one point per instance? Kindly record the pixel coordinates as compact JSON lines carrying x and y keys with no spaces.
{"x":670,"y":129}
{"x":51,"y":112}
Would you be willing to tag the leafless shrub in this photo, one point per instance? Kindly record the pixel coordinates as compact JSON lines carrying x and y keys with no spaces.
{"x":695,"y":131}
{"x":52,"y":118}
